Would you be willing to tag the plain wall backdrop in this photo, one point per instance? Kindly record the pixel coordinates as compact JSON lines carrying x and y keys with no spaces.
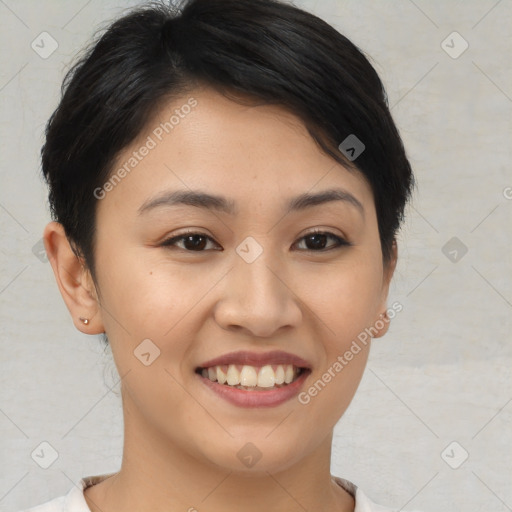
{"x":430,"y":426}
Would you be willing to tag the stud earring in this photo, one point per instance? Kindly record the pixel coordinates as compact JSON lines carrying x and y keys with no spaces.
{"x":84,"y":320}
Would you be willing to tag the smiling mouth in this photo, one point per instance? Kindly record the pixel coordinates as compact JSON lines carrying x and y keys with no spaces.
{"x":252,"y":378}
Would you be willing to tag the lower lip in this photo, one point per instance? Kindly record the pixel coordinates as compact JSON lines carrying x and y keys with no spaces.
{"x":270,"y":398}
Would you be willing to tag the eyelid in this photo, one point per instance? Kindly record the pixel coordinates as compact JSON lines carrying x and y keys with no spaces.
{"x":168,"y":242}
{"x":341,"y":241}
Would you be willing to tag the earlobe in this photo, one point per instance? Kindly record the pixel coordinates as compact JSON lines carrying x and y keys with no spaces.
{"x":74,"y":280}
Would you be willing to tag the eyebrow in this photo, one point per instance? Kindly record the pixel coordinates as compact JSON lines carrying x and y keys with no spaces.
{"x":222,"y":204}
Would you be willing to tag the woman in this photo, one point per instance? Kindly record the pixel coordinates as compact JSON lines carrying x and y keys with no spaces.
{"x":226,"y":184}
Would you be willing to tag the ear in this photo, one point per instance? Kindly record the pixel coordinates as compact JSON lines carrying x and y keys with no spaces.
{"x":381,"y":324}
{"x":74,"y":280}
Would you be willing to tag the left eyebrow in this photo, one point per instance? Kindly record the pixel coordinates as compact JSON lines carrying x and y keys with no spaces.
{"x":335,"y":194}
{"x":201,"y":199}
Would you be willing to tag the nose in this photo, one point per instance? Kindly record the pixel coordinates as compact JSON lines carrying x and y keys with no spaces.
{"x":257,"y":298}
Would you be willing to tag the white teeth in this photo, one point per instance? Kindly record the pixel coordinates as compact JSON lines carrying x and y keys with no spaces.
{"x":233,"y":376}
{"x":221,"y":376}
{"x":279,"y":375}
{"x":266,"y":377}
{"x":248,"y":376}
{"x":251,"y":376}
{"x":289,"y":374}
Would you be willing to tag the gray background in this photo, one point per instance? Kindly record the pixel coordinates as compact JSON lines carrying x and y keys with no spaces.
{"x":440,"y":375}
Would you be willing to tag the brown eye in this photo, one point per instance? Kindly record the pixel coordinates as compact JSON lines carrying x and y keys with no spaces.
{"x":318,"y":241}
{"x":196,"y":242}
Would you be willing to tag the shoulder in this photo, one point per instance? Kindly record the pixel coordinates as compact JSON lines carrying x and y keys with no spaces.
{"x":363,"y":503}
{"x":74,"y":500}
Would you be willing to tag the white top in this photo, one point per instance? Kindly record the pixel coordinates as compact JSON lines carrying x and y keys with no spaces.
{"x":74,"y":500}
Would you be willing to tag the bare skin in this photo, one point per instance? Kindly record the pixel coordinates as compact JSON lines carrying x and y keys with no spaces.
{"x":181,"y":440}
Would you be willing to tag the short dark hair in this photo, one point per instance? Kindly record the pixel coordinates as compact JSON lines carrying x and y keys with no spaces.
{"x":267,"y":51}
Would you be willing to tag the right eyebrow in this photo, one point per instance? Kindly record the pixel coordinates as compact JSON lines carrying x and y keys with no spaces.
{"x":191,"y":198}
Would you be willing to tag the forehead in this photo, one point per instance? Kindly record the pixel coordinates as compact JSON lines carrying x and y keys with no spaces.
{"x":206,"y":141}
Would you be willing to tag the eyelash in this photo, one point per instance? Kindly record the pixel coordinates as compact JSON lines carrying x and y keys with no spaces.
{"x":340,"y":242}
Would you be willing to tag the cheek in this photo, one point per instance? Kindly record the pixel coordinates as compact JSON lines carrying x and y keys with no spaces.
{"x":345,"y":301}
{"x":344,"y":297}
{"x":133,"y":286}
{"x":345,"y":304}
{"x":150,"y":297}
{"x":328,"y":396}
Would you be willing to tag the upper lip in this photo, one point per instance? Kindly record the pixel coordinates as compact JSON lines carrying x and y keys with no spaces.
{"x":257,"y":359}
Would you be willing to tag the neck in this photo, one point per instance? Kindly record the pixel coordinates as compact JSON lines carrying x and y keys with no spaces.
{"x":159,"y":476}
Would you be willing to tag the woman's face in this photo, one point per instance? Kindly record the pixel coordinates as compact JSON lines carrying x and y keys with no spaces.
{"x":252,"y":279}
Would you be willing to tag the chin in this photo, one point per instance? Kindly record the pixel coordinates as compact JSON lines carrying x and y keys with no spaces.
{"x":254,"y":458}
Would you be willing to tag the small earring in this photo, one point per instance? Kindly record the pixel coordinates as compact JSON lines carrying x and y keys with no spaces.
{"x":84,"y":320}
{"x":383,"y":315}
